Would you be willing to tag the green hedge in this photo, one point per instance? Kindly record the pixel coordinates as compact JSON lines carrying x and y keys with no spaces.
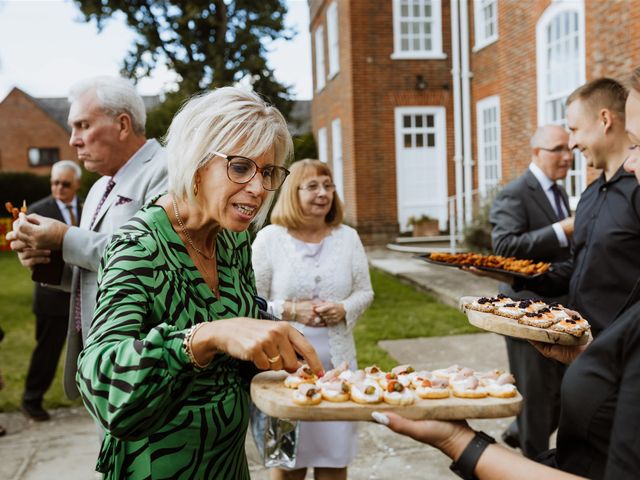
{"x":19,"y":186}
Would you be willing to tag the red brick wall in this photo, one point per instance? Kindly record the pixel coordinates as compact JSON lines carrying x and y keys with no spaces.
{"x":364,"y":94}
{"x":335,"y":99}
{"x":23,"y":124}
{"x":370,"y":85}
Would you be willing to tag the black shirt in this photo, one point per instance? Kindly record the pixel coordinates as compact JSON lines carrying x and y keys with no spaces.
{"x":599,"y":431}
{"x":605,"y":262}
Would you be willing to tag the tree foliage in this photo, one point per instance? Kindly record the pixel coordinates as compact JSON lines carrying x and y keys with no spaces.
{"x":207,"y":43}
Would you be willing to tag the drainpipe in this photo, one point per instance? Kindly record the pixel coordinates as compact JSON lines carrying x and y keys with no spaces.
{"x":466,"y":109}
{"x":457,"y":117}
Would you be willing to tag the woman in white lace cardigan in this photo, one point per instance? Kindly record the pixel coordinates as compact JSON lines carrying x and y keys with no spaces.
{"x":313,"y":272}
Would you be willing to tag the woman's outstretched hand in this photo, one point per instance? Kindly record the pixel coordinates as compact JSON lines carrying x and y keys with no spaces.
{"x":449,"y":437}
{"x":269,"y":345}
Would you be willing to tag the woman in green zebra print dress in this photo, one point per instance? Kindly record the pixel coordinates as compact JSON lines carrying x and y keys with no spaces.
{"x":175,"y":328}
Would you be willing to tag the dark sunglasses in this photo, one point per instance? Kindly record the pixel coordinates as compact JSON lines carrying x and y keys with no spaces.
{"x":63,"y":183}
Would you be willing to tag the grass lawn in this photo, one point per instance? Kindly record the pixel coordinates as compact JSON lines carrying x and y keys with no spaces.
{"x":18,"y":323}
{"x":398,"y":311}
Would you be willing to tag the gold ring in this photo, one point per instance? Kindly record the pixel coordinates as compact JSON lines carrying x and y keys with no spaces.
{"x":273,"y":359}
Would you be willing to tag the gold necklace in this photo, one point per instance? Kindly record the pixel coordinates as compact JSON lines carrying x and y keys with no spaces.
{"x":186,"y":233}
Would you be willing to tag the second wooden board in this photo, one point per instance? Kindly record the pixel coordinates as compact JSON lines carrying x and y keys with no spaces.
{"x":273,"y":398}
{"x":511,"y":328}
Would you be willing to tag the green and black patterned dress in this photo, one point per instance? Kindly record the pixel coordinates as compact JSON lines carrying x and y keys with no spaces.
{"x":164,"y":418}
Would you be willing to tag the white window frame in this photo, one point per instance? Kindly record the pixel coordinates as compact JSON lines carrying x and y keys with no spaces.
{"x":323,"y":148}
{"x":482,"y":106}
{"x":577,"y":176}
{"x":333,"y":39}
{"x":318,"y":44}
{"x":480,"y":22}
{"x":436,"y":33}
{"x":337,"y":159}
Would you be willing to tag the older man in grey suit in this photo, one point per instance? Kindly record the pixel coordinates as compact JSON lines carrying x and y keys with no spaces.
{"x":107,"y":118}
{"x":531,"y":219}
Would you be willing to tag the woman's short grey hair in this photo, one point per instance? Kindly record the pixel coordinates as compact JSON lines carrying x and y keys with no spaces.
{"x":116,"y":96}
{"x":228,"y":120}
{"x":67,"y":165}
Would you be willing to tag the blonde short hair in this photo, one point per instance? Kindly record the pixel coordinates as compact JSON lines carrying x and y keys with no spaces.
{"x":228,"y":120}
{"x":288,"y":211}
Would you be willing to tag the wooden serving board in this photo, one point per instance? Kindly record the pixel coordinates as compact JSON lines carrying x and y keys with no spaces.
{"x":273,"y":398}
{"x":511,"y":328}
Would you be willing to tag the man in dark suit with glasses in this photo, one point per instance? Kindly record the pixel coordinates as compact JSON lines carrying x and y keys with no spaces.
{"x":531,"y":219}
{"x":51,"y":306}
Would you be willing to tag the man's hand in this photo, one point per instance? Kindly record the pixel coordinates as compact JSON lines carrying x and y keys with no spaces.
{"x":561,"y":353}
{"x":567,"y":226}
{"x":37,"y":232}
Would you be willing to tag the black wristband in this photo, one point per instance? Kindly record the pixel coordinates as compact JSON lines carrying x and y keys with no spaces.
{"x":466,"y":464}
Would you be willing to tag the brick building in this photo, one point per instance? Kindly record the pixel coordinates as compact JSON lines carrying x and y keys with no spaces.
{"x":424,"y":106}
{"x":33,"y":133}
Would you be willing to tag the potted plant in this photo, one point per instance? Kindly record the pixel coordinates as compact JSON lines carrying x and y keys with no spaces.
{"x":424,"y":226}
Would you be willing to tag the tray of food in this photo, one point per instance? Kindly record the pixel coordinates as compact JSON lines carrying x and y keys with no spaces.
{"x":527,"y":319}
{"x":452,"y":393}
{"x":510,"y":265}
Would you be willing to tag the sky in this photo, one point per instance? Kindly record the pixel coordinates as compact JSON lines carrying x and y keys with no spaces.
{"x":45,"y":47}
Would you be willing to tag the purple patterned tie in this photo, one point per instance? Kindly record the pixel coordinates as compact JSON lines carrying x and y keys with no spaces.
{"x":77,"y":308}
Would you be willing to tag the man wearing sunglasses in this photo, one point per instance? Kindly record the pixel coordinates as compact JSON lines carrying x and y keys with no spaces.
{"x":50,"y":305}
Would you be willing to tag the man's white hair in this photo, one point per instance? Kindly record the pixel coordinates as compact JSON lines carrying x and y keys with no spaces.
{"x":67,"y":165}
{"x":116,"y":96}
{"x":228,"y":120}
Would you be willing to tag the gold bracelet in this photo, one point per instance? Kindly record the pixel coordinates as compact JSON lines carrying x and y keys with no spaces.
{"x":293,"y":311}
{"x":186,"y":344}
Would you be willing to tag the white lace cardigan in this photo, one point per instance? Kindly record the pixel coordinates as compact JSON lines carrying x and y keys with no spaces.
{"x":281,"y":275}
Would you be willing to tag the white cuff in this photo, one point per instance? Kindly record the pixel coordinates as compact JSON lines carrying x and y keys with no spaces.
{"x":562,"y":237}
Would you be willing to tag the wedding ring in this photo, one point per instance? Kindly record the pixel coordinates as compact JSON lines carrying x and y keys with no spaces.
{"x":273,"y":359}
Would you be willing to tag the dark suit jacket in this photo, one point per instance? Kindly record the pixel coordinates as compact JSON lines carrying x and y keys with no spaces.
{"x":521,"y":217}
{"x":50,"y":301}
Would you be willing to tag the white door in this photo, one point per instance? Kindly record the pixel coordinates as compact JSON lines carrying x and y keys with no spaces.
{"x":421,"y":164}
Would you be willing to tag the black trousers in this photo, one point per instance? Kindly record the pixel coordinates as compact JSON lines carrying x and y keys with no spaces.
{"x":538,"y":379}
{"x":51,"y":332}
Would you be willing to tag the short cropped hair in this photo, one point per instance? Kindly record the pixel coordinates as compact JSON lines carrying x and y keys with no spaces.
{"x":67,"y":165}
{"x":635,"y":79}
{"x":228,"y":120}
{"x":116,"y":96}
{"x":288,"y":211}
{"x":601,"y":93}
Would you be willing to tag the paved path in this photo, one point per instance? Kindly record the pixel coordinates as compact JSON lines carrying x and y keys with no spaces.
{"x":67,"y":446}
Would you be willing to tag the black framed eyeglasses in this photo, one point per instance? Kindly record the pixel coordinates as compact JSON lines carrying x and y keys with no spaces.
{"x":558,"y":149}
{"x":62,"y":183}
{"x":242,"y":170}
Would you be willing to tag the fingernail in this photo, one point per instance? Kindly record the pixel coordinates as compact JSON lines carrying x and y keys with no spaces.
{"x":380,"y":418}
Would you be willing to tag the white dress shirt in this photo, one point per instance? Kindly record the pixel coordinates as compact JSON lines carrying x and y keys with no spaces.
{"x":546,"y":183}
{"x":65,"y":211}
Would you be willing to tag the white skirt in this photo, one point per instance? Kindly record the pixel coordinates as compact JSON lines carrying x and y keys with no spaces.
{"x":325,"y":444}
